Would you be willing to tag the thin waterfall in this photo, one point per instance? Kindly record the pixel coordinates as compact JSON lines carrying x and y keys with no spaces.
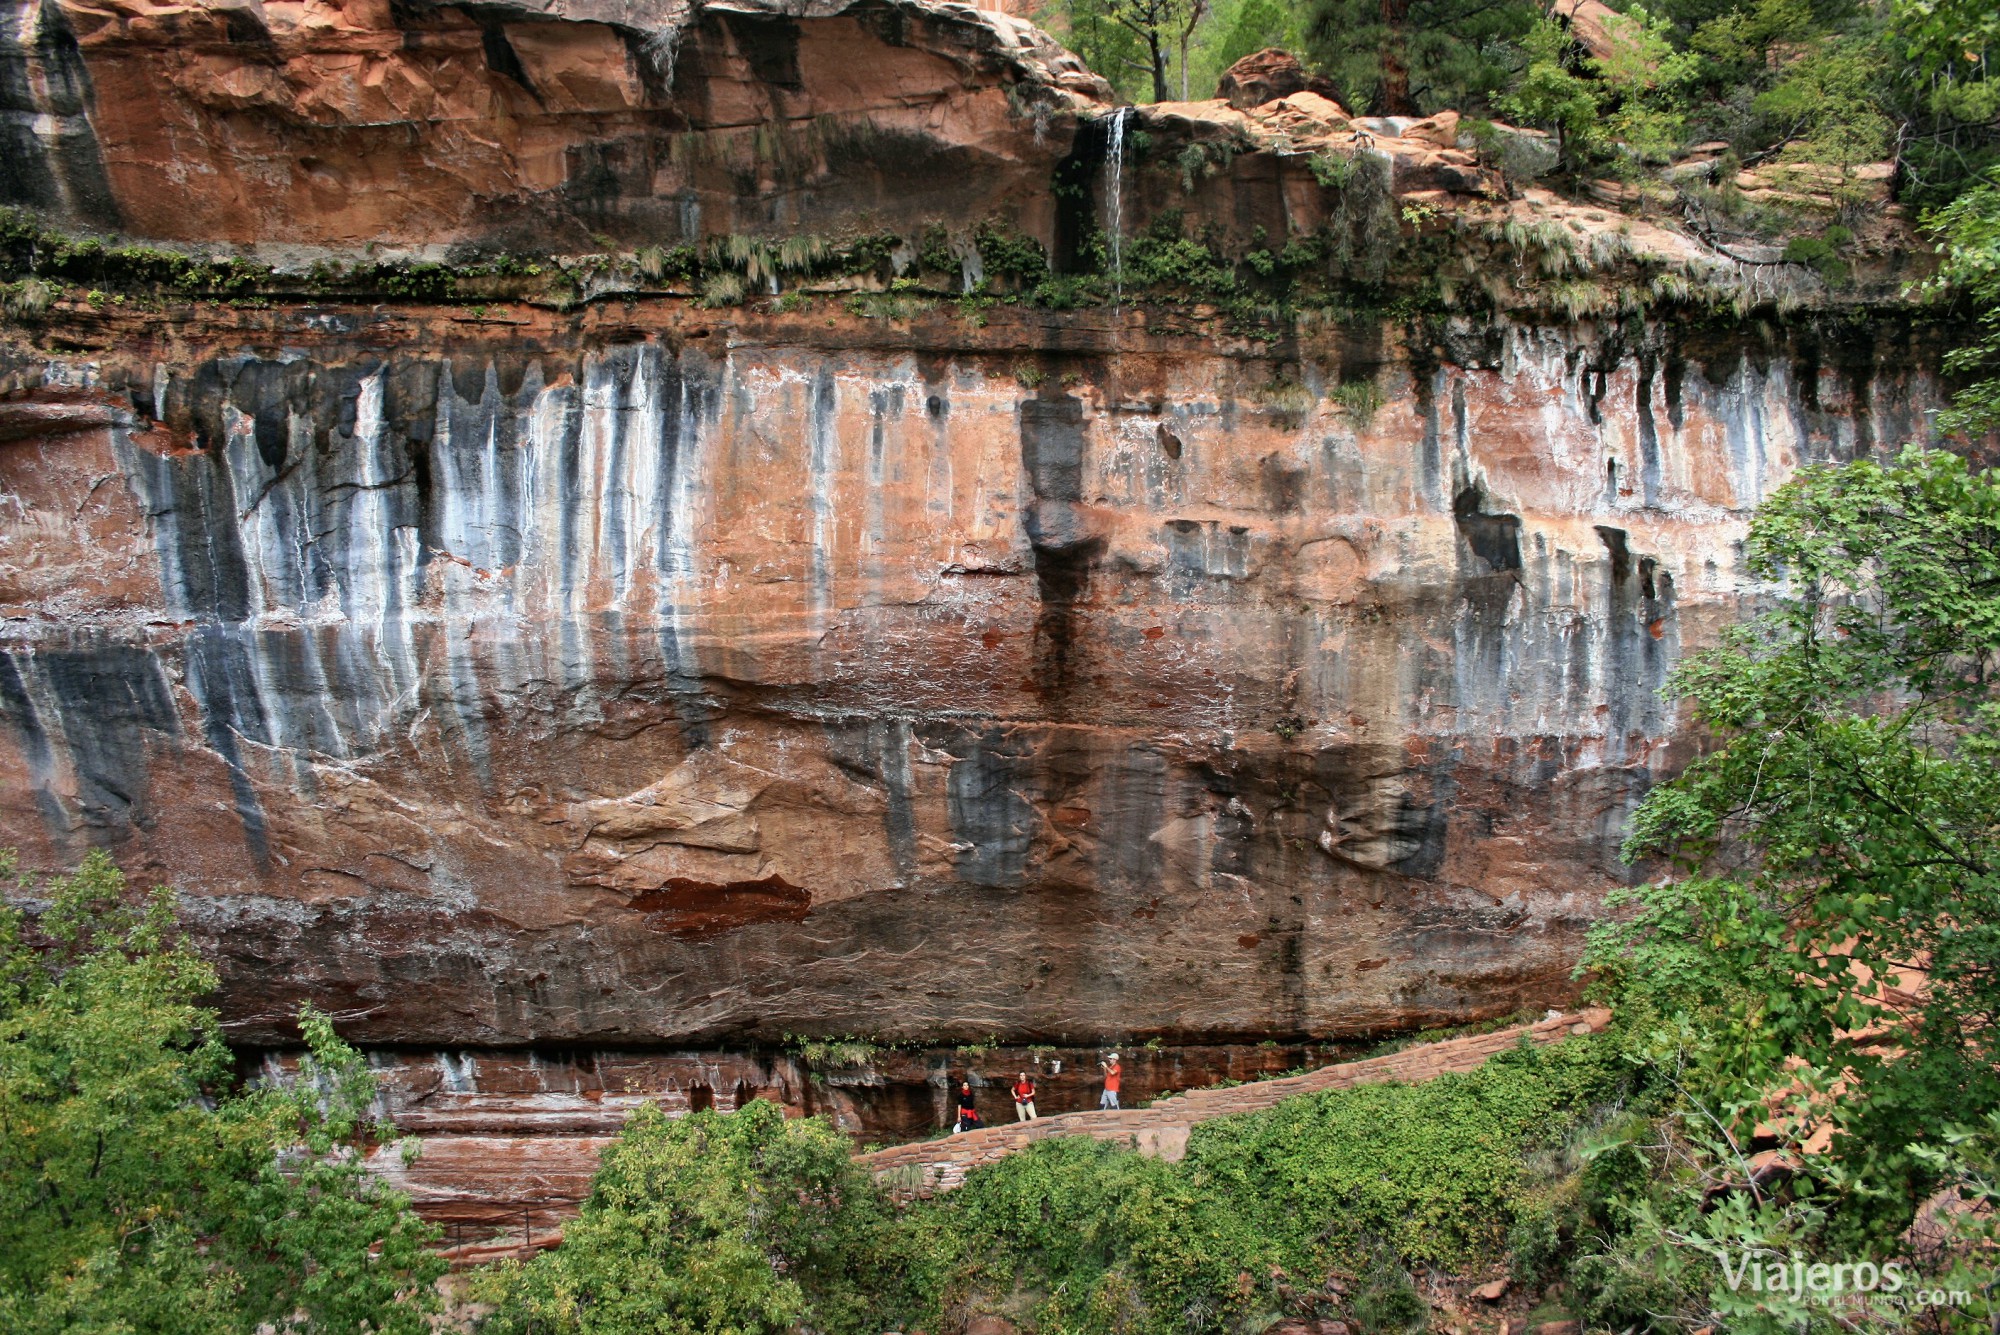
{"x":1118,"y":201}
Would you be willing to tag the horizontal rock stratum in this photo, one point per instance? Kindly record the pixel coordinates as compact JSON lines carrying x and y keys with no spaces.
{"x":634,"y":670}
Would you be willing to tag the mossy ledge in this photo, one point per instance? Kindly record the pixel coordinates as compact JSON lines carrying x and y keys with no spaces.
{"x":1372,"y":260}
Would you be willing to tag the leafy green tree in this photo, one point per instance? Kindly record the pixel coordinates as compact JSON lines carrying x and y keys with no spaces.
{"x":1414,"y":57}
{"x":1946,"y":97}
{"x":140,"y":1191}
{"x":1234,"y":29}
{"x":1644,"y":82}
{"x":1738,"y":42}
{"x":1118,"y":38}
{"x":1634,"y":97}
{"x":746,"y":1222}
{"x":1834,"y":937}
{"x":1825,"y":109}
{"x":1966,"y":1235}
{"x":1968,"y":231}
{"x":1554,"y":95}
{"x":1107,"y":46}
{"x":1249,"y":25}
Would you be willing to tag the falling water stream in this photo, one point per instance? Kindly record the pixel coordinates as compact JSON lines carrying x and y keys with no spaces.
{"x":1118,"y":202}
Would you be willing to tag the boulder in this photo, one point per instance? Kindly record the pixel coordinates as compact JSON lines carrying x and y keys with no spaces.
{"x":1268,"y":75}
{"x":1441,"y":130}
{"x":1595,"y":26}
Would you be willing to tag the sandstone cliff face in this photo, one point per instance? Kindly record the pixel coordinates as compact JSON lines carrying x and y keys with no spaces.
{"x":543,"y":122}
{"x":723,"y":680}
{"x":656,"y":674}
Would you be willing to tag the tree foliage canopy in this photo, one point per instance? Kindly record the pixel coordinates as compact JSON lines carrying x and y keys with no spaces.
{"x":1969,"y":270}
{"x":1842,"y":843}
{"x":141,"y":1191}
{"x":1414,"y":57}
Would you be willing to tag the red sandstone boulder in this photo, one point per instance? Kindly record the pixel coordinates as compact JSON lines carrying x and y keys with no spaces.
{"x":1594,"y":25}
{"x":1440,"y":130}
{"x":1268,"y":75}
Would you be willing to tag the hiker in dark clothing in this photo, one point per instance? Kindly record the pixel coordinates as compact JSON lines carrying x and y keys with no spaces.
{"x":968,"y":1112}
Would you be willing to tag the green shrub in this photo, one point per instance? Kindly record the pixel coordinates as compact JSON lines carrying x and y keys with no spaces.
{"x":1388,"y":1302}
{"x":1822,"y":253}
{"x":745,"y":1222}
{"x":1072,"y":292}
{"x":1007,"y":256}
{"x":1332,"y":170}
{"x":1534,"y":1240}
{"x":1433,"y":1170}
{"x":1113,"y":1239}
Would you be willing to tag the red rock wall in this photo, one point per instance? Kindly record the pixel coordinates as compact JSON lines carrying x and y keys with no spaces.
{"x":524,"y":125}
{"x":656,"y":675}
{"x":652,"y":675}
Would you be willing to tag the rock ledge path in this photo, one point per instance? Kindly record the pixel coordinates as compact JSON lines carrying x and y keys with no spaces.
{"x":928,"y":1167}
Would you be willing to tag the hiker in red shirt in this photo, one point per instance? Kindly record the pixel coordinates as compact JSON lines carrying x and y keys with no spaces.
{"x":1112,"y":1071}
{"x":1024,"y":1098}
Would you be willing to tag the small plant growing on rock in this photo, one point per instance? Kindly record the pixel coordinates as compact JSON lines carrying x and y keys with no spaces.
{"x":1198,"y":161}
{"x":29,"y":297}
{"x":1360,"y":400}
{"x":832,"y":1053}
{"x":1332,"y":170}
{"x":722,"y":289}
{"x":1008,"y":256}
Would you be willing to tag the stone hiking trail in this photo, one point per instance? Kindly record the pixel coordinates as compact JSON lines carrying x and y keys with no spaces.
{"x":930,"y":1167}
